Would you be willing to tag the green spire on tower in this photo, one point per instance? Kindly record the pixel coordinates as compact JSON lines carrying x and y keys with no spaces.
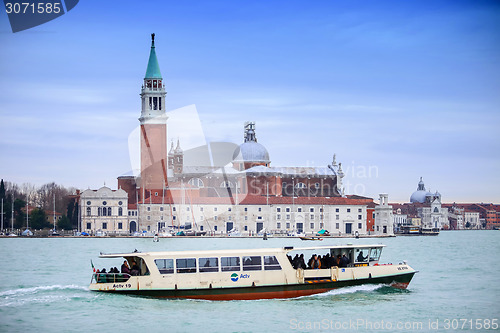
{"x":153,"y":71}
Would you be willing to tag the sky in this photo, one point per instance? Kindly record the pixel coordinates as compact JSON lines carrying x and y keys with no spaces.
{"x":398,"y":90}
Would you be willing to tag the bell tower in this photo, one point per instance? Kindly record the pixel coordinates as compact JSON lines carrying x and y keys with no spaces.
{"x":153,"y":122}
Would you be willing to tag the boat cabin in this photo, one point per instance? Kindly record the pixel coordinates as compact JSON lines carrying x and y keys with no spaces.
{"x":268,"y":264}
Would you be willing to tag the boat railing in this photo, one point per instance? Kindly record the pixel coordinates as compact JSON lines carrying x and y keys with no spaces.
{"x":110,"y":277}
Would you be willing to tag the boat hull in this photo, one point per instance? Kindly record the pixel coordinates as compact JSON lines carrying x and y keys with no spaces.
{"x":308,"y":288}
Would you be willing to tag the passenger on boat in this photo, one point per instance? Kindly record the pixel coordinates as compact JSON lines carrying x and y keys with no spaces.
{"x":135,"y":269}
{"x":344,"y":262}
{"x":361,"y":257}
{"x":315,"y":262}
{"x":325,"y":261}
{"x":338,"y":261}
{"x":302,"y":262}
{"x":125,"y":268}
{"x":295,"y":261}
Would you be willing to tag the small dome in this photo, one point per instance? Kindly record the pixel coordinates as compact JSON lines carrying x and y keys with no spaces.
{"x":419,"y":196}
{"x":251,"y":151}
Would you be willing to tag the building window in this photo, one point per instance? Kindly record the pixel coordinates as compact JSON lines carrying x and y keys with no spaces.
{"x":287,"y":216}
{"x":299,"y":209}
{"x":278,"y":209}
{"x":89,"y":225}
{"x":226,"y":184}
{"x":288,"y":225}
{"x":360,"y":217}
{"x":149,"y":217}
{"x":321,"y":210}
{"x":104,"y":211}
{"x":161,"y":209}
{"x":104,"y":203}
{"x":196,"y":182}
{"x":312,"y":225}
{"x":120,"y":225}
{"x":311,"y":210}
{"x":359,"y":210}
{"x":229,"y":209}
{"x":120,"y":211}
{"x":201,"y":228}
{"x":149,"y":209}
{"x":260,"y":209}
{"x":88,"y":203}
{"x":88,"y":211}
{"x":259,"y":217}
{"x":215,"y":218}
{"x":246,"y":228}
{"x":348,"y":210}
{"x":156,"y":194}
{"x":215,"y":227}
{"x":201,"y":209}
{"x":321,"y":216}
{"x":337,"y":210}
{"x":104,"y":226}
{"x":312,"y":217}
{"x":109,"y":211}
{"x":278,"y":225}
{"x":359,"y":226}
{"x":246,"y":218}
{"x":278,"y":217}
{"x":215,"y":209}
{"x":316,"y":185}
{"x":246,"y":209}
{"x":300,"y":185}
{"x":174,"y":217}
{"x":337,"y":217}
{"x":337,"y":226}
{"x":201,"y":218}
{"x":287,"y":209}
{"x":187,"y":209}
{"x":373,"y":215}
{"x":173,"y":209}
{"x":321,"y":225}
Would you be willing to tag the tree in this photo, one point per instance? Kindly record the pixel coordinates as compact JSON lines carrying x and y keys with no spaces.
{"x":20,"y":217}
{"x":64,"y":223}
{"x":38,"y":219}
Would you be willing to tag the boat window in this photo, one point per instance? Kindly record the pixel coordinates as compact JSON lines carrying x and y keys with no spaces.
{"x":186,"y":265}
{"x":252,"y":263}
{"x":208,"y":264}
{"x":375,"y":253}
{"x":361,"y":255}
{"x":271,"y":263}
{"x":165,"y":266}
{"x":230,"y":264}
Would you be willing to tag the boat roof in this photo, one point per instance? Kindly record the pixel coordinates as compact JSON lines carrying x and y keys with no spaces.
{"x":260,"y":251}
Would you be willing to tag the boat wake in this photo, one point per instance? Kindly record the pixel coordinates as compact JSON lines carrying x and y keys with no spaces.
{"x":353,"y":289}
{"x":39,"y":294}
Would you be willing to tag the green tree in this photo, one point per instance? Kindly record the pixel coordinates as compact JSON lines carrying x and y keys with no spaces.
{"x":38,"y":219}
{"x":19,"y":215}
{"x":64,"y":223}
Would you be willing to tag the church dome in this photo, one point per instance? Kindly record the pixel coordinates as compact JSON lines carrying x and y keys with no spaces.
{"x":251,"y":151}
{"x":420,"y":194}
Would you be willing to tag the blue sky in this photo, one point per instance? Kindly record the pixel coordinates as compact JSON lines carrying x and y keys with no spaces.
{"x":397,"y":89}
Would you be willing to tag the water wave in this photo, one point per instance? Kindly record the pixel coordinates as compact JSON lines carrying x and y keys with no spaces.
{"x":354,"y":289}
{"x":34,"y":290}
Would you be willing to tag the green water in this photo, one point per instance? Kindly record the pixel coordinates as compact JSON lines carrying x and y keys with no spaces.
{"x":44,"y":288}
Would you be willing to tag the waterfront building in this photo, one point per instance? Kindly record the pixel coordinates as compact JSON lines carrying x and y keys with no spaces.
{"x":104,"y":211}
{"x":240,"y":193}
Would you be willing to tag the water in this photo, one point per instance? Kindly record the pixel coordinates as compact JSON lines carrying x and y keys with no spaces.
{"x":44,"y":287}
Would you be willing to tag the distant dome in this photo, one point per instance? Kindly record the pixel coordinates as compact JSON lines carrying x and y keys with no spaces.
{"x":419,"y":195}
{"x":251,"y":151}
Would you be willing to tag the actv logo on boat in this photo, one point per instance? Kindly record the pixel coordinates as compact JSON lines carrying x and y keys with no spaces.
{"x":235,"y":277}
